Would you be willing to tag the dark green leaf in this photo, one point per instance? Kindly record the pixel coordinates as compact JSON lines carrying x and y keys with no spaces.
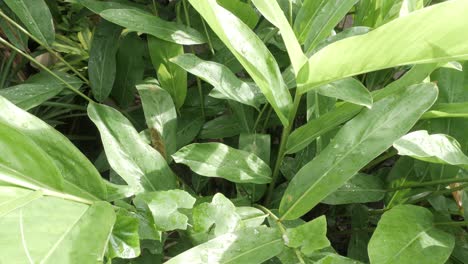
{"x":361,"y":188}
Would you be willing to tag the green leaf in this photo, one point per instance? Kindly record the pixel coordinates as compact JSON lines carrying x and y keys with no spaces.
{"x":259,"y":144}
{"x":102,"y":59}
{"x":310,"y":236}
{"x":382,"y":48}
{"x":220,"y":215}
{"x":99,"y":6}
{"x":188,"y":127}
{"x":141,"y":166}
{"x":303,"y":136}
{"x":36,"y":17}
{"x":244,"y":11}
{"x":239,"y":247}
{"x":130,"y":69}
{"x":220,"y":127}
{"x":160,"y":116}
{"x":25,"y":164}
{"x":223,"y":80}
{"x":250,"y":52}
{"x":435,"y":148}
{"x":361,"y":188}
{"x":164,"y":208}
{"x":38,"y":89}
{"x":50,"y":230}
{"x":14,"y":35}
{"x":397,"y":241}
{"x":317,"y":18}
{"x":273,"y":13}
{"x":349,"y":90}
{"x":172,"y":78}
{"x":219,"y":160}
{"x":140,"y":21}
{"x":124,"y":241}
{"x":251,"y":217}
{"x":80,"y":176}
{"x":447,"y":110}
{"x":357,"y":143}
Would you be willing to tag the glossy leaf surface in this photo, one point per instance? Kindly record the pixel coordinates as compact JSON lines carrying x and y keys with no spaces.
{"x":361,"y":188}
{"x":349,"y":90}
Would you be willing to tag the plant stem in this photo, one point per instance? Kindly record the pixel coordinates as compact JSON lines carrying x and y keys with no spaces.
{"x":429,"y":183}
{"x":380,"y":159}
{"x":282,"y":148}
{"x":207,"y":36}
{"x":290,"y":12}
{"x":260,"y":116}
{"x":281,"y":228}
{"x":200,"y":91}
{"x":6,"y":43}
{"x":51,"y":51}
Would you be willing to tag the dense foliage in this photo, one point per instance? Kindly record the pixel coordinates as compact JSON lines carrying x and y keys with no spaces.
{"x":233,"y":131}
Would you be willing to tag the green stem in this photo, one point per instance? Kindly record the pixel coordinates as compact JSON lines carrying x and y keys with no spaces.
{"x":290,"y":12}
{"x":429,"y":183}
{"x":207,"y":36}
{"x":200,"y":90}
{"x":380,"y":159}
{"x":260,"y":116}
{"x":51,"y":51}
{"x":318,"y":141}
{"x":6,"y":43}
{"x":281,"y":228}
{"x":282,"y":148}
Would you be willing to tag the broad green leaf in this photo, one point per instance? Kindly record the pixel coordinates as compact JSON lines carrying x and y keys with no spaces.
{"x":357,"y":246}
{"x":219,"y":215}
{"x":99,"y":6}
{"x":447,"y":110}
{"x":124,"y":241}
{"x":14,"y":35}
{"x":220,"y":127}
{"x":408,"y":6}
{"x":188,"y":127}
{"x":392,"y":44}
{"x":247,"y":246}
{"x":331,"y":258}
{"x":38,"y":89}
{"x":317,"y":18}
{"x":374,"y":13}
{"x":36,"y":17}
{"x":172,"y":78}
{"x":310,"y":236}
{"x":130,"y":69}
{"x":223,"y":80}
{"x":304,"y":135}
{"x":244,"y":115}
{"x":273,"y":13}
{"x":349,"y":90}
{"x":80,"y":176}
{"x":161,"y":117}
{"x":219,"y":160}
{"x":102,"y":59}
{"x":417,"y":237}
{"x":164,"y":208}
{"x":436,"y":148}
{"x":52,"y":230}
{"x":259,"y":144}
{"x":361,"y":188}
{"x":144,"y":22}
{"x":25,"y":164}
{"x":358,"y":142}
{"x":141,"y":166}
{"x":251,"y":53}
{"x":244,"y":11}
{"x":250,"y":216}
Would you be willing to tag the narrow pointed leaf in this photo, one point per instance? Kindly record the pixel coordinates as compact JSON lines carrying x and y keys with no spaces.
{"x":436,"y":148}
{"x":144,"y":22}
{"x":357,"y":143}
{"x":349,"y":90}
{"x":317,"y":18}
{"x":219,"y":160}
{"x":102,"y":59}
{"x":397,"y":241}
{"x":98,"y":6}
{"x":80,"y":176}
{"x":36,"y":17}
{"x":273,"y":13}
{"x":447,"y":110}
{"x":392,"y":44}
{"x":172,"y":78}
{"x":250,"y":52}
{"x":223,"y":80}
{"x":141,"y":166}
{"x":238,"y":247}
{"x":161,"y":117}
{"x":51,"y":230}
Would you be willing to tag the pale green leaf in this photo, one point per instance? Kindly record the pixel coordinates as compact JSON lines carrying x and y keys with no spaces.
{"x":144,"y":22}
{"x":310,"y":236}
{"x":124,"y":241}
{"x":358,"y":142}
{"x":349,"y":90}
{"x":400,"y":42}
{"x":219,"y":160}
{"x":244,"y":11}
{"x":164,"y":207}
{"x":397,"y":241}
{"x":251,"y":53}
{"x":141,"y":166}
{"x":447,"y":110}
{"x":247,"y":246}
{"x":436,"y":148}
